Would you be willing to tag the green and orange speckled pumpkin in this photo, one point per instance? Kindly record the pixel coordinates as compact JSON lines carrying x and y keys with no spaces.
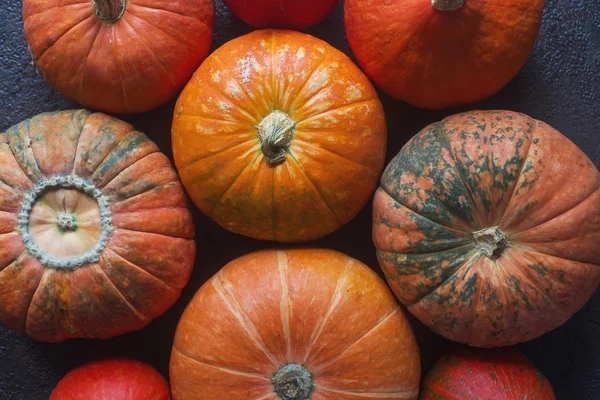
{"x":487,"y":227}
{"x":95,"y":235}
{"x":279,"y":136}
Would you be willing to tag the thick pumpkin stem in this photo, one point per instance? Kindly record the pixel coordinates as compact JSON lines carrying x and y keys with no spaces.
{"x":109,"y":11}
{"x":293,"y":382}
{"x":447,"y":5}
{"x":491,"y":242}
{"x":67,"y":222}
{"x":276,"y":132}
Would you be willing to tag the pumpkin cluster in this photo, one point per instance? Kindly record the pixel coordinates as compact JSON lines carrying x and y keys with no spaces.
{"x":481,"y":229}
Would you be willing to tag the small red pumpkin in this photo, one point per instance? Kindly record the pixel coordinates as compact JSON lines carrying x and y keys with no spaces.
{"x":486,"y":375}
{"x":487,"y":227}
{"x":442,"y":53}
{"x":96,"y":238}
{"x":118,"y":56}
{"x":294,"y":325}
{"x":119,"y":379}
{"x":281,"y":13}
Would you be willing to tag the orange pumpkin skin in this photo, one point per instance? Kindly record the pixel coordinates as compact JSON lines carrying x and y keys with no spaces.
{"x":313,"y":308}
{"x":486,"y":226}
{"x":470,"y":375}
{"x":118,"y":56}
{"x":439,"y":58}
{"x":96,"y":238}
{"x":330,"y":137}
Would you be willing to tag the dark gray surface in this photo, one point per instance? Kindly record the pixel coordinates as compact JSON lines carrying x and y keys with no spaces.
{"x":560,"y":85}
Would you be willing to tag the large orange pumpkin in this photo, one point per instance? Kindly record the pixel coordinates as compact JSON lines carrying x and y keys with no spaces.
{"x":442,"y":53}
{"x":118,"y":56}
{"x":279,"y":136}
{"x":294,"y":325}
{"x":95,"y":235}
{"x":487,"y":227}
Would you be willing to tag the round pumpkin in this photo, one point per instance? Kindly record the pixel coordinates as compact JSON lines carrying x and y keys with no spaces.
{"x":117,"y":379}
{"x":96,"y":238}
{"x":279,"y":136}
{"x":294,"y":325}
{"x":281,"y":13}
{"x":469,"y":375}
{"x":441,"y":53}
{"x":119,"y":56}
{"x":487,"y":227}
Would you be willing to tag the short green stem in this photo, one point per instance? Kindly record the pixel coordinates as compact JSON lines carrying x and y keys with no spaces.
{"x":293,"y":382}
{"x":67,"y":222}
{"x":491,"y":242}
{"x":276,"y":132}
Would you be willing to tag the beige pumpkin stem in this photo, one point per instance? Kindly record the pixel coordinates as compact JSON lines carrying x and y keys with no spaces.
{"x":109,"y":11}
{"x":447,"y":5}
{"x":276,"y":132}
{"x":293,"y":382}
{"x":491,"y":242}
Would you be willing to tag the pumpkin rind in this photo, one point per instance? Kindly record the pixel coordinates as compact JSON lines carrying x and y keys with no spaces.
{"x":481,"y":170}
{"x":135,"y":272}
{"x":133,"y":64}
{"x":470,"y":375}
{"x":316,"y":308}
{"x":281,"y":13}
{"x":439,"y":59}
{"x":334,"y":159}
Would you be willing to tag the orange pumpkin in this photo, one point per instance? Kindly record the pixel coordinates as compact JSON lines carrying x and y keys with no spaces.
{"x":95,"y":235}
{"x":294,"y":325}
{"x":487,"y":227}
{"x":442,"y":53}
{"x":119,"y":56}
{"x":279,"y":136}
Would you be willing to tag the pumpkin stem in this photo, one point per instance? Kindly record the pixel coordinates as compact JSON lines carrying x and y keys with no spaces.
{"x":447,"y":5}
{"x":276,"y":132}
{"x":491,"y":242}
{"x":293,"y":382}
{"x":109,"y":11}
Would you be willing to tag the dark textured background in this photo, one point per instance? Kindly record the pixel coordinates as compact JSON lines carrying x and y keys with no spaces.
{"x":560,"y":85}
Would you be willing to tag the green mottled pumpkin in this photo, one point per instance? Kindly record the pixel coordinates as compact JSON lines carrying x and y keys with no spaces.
{"x":487,"y":227}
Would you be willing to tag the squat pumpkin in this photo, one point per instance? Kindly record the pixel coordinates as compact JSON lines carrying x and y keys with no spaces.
{"x":95,"y":235}
{"x":119,"y":56}
{"x":279,"y":136}
{"x":486,"y":375}
{"x":487,"y":227}
{"x":294,"y":325}
{"x":442,"y":53}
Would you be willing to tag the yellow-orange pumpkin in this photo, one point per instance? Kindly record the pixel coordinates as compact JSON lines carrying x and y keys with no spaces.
{"x":487,"y":226}
{"x":279,"y":136}
{"x":95,"y":235}
{"x":442,"y":53}
{"x":119,"y":56}
{"x":294,"y":325}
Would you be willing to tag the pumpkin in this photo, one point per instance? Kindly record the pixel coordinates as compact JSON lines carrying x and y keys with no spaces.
{"x":487,"y":227}
{"x":441,"y":53}
{"x":281,"y":13}
{"x":469,"y":375}
{"x":114,"y":379}
{"x":279,"y":136}
{"x":293,"y":325}
{"x":95,"y":235}
{"x":118,"y":56}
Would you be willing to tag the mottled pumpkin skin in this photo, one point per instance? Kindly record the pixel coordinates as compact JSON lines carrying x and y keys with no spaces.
{"x":118,"y":379}
{"x":132,"y":65}
{"x":480,"y":170}
{"x":471,"y":375}
{"x":336,"y":155}
{"x":318,"y":308}
{"x":439,"y":59}
{"x":281,"y":13}
{"x":150,"y":252}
